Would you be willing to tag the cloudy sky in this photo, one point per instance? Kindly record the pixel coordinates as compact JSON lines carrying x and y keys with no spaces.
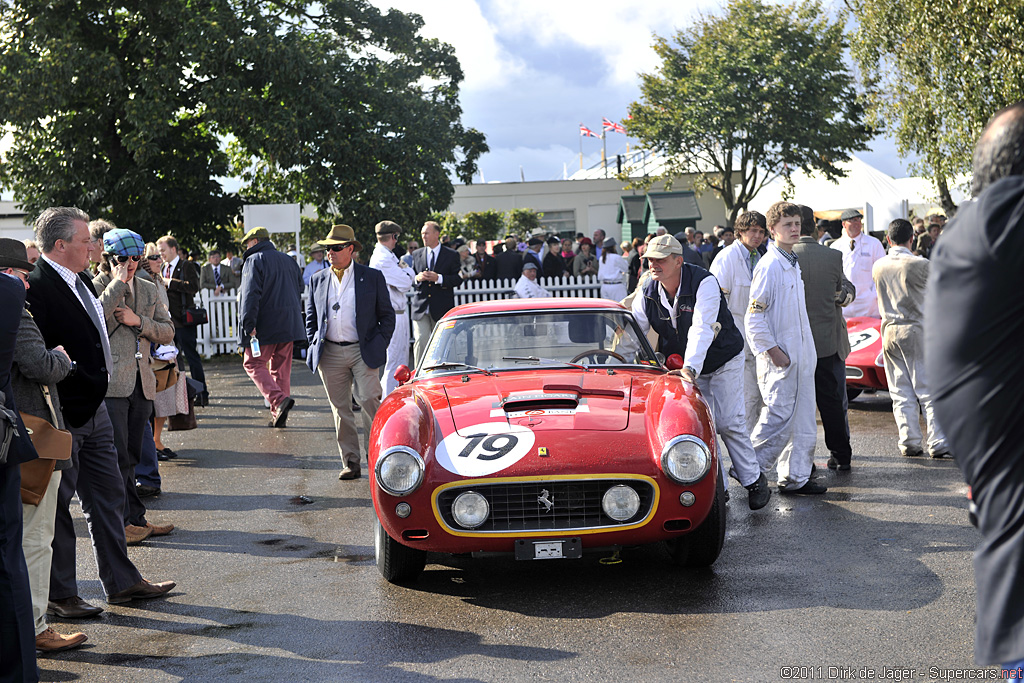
{"x":536,"y":69}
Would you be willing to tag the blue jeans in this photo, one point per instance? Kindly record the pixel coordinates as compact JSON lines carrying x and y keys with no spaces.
{"x":147,"y":472}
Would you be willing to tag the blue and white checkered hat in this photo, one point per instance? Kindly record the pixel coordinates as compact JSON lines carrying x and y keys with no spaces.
{"x":122,"y":242}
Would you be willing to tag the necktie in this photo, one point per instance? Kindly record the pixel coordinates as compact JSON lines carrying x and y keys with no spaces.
{"x":753,"y":261}
{"x":430,"y":266}
{"x":167,"y":271}
{"x":216,"y":275}
{"x":90,"y":308}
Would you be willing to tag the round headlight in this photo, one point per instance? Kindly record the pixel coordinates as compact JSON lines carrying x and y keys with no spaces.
{"x":620,"y":502}
{"x":685,"y":459}
{"x":470,"y":509}
{"x":400,"y":470}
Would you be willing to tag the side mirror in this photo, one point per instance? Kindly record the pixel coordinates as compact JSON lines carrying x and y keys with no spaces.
{"x":660,"y":357}
{"x":402,"y":374}
{"x":674,"y":362}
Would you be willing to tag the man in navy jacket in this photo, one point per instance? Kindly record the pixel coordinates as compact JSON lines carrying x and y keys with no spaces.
{"x":349,"y":323}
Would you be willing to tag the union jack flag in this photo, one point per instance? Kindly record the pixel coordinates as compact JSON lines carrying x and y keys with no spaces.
{"x":611,"y":125}
{"x":587,"y":133}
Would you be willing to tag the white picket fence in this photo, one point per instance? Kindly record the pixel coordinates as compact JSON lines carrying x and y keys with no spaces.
{"x":220,"y":334}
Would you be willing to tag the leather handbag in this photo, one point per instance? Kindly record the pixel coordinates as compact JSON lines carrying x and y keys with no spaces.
{"x":192,"y":316}
{"x":166,"y":376}
{"x":51,"y":445}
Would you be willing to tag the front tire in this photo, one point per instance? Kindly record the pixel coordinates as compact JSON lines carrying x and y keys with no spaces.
{"x":395,"y":562}
{"x":701,"y":547}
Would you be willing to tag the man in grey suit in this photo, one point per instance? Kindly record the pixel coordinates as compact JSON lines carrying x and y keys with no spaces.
{"x":218,"y":276}
{"x":826,"y":291}
{"x":135,"y":317}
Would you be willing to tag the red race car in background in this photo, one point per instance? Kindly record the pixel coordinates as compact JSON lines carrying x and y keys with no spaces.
{"x":542,"y":429}
{"x":864,"y":367}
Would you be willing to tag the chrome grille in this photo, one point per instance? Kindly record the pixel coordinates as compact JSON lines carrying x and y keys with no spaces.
{"x":519,"y":506}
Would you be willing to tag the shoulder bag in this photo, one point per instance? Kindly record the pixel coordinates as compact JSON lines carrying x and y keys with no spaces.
{"x":51,"y":444}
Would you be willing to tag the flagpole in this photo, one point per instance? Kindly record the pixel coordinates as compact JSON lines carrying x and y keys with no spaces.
{"x":581,"y":150}
{"x":604,"y":152}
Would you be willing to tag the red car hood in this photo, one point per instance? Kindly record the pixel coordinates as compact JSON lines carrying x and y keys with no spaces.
{"x":592,"y":401}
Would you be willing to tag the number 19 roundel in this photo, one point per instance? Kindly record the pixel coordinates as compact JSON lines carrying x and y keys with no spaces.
{"x":484,"y":448}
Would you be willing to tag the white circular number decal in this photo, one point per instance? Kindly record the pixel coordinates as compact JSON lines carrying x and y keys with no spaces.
{"x":484,"y":448}
{"x":863,"y":338}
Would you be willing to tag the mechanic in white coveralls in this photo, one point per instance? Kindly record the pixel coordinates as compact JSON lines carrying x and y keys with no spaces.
{"x":860,"y":251}
{"x":685,"y":306}
{"x":399,"y":278}
{"x":526,"y":286}
{"x":734,"y":268}
{"x":779,"y":335}
{"x":900,"y":278}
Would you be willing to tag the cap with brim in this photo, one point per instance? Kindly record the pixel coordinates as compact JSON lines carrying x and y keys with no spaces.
{"x":534,"y":241}
{"x":662,"y":246}
{"x":529,"y":265}
{"x":609,"y":243}
{"x":123,"y":242}
{"x":316,"y":248}
{"x":586,"y":240}
{"x":341,"y":235}
{"x":388,"y":228}
{"x":850,"y":214}
{"x":14,"y":255}
{"x":256,"y":234}
{"x":554,"y":240}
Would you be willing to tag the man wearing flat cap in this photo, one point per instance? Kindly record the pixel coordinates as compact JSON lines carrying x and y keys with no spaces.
{"x":349,"y":323}
{"x":270,"y":312}
{"x":399,"y":278}
{"x":860,"y":251}
{"x":316,"y":264}
{"x":437,"y":275}
{"x":534,"y":246}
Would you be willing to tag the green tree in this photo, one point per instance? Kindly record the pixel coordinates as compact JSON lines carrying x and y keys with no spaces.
{"x":134,"y":109}
{"x":744,"y":98}
{"x":522,"y":222}
{"x":939,"y":71}
{"x":483,"y":225}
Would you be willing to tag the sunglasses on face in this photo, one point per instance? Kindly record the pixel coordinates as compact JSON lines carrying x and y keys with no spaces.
{"x":339,"y":247}
{"x":122,"y":259}
{"x":153,"y":257}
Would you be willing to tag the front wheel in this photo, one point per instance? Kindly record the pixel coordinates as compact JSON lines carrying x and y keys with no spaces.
{"x":701,"y":547}
{"x":395,"y":562}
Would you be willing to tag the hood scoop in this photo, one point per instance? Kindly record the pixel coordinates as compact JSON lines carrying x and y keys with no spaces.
{"x":522,"y":402}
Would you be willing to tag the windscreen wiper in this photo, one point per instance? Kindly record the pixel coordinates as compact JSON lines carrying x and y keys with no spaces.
{"x":535,"y":359}
{"x":439,"y":366}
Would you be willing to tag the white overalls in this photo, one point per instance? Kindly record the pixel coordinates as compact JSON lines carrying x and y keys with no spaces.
{"x":399,"y":277}
{"x":612,"y":272}
{"x":786,"y":430}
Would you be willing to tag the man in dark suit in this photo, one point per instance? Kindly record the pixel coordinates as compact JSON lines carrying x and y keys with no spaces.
{"x":486,"y":266}
{"x":974,"y":322}
{"x":68,"y":314}
{"x":17,"y":631}
{"x":533,"y":253}
{"x":509,"y":263}
{"x":182,"y":281}
{"x":437,"y":276}
{"x":349,"y":323}
{"x":826,"y":291}
{"x":217,"y":276}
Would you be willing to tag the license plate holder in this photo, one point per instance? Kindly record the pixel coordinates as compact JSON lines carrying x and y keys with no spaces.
{"x":549,"y":549}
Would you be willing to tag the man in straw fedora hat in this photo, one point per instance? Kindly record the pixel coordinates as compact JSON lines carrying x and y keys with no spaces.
{"x":349,"y":324}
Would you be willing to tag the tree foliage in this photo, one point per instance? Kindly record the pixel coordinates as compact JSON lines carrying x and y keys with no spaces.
{"x":744,"y":98}
{"x":939,"y":70}
{"x":483,"y":225}
{"x":124,"y":108}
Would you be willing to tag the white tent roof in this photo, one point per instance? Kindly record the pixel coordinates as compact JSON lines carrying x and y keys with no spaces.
{"x":878,"y":196}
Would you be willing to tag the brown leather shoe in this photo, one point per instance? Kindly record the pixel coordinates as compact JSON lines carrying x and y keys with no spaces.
{"x":159,"y":529}
{"x":350,"y":472}
{"x":72,"y":608}
{"x":51,"y":641}
{"x":134,"y":535}
{"x":140,"y":591}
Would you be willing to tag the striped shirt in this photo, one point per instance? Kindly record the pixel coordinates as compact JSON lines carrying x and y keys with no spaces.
{"x":71,"y":279}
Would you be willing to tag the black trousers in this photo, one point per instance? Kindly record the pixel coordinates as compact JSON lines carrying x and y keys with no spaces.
{"x":185,"y":338}
{"x":128,"y":417}
{"x":17,"y":628}
{"x":830,"y":395}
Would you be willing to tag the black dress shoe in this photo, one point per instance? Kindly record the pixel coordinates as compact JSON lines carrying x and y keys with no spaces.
{"x":810,"y":488}
{"x":72,"y":608}
{"x":281,"y":416}
{"x":834,"y":464}
{"x":758,"y":493}
{"x":146,"y":491}
{"x":142,"y":590}
{"x":166,"y":454}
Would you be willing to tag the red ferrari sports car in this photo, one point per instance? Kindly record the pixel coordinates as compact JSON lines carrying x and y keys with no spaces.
{"x":864,"y":368}
{"x":543,"y":429}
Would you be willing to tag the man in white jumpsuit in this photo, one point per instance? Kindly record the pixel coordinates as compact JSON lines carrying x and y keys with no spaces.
{"x":612,"y":272}
{"x":527,"y":287}
{"x":860,"y":251}
{"x":901,"y":278}
{"x":399,"y":278}
{"x":684,"y":304}
{"x":779,"y":335}
{"x":734,"y":268}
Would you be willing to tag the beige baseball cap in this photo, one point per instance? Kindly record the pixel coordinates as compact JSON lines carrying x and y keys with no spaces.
{"x":662,"y":246}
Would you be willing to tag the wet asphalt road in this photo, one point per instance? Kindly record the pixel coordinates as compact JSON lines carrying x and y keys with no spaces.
{"x":874,"y":575}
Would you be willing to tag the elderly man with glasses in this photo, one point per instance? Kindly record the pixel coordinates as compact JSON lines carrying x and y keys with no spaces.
{"x":860,"y":251}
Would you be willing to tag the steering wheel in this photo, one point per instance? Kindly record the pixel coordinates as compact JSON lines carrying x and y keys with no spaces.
{"x":598,"y":352}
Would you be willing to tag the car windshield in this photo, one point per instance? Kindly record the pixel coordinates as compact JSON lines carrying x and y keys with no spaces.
{"x":543,"y":338}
